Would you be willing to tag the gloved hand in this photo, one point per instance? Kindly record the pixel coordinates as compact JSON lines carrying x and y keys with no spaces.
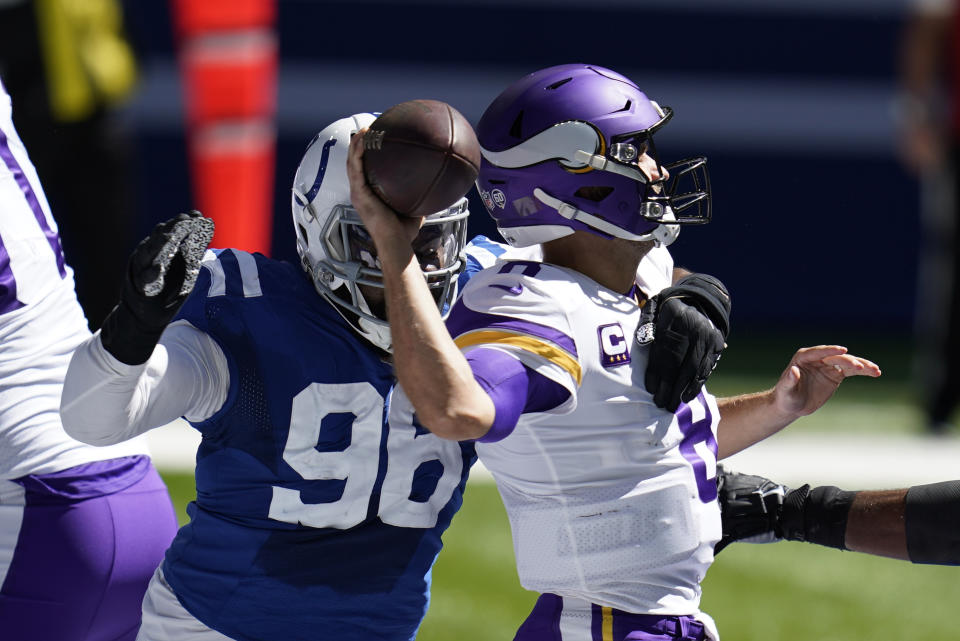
{"x":686,"y":326}
{"x":161,"y":273}
{"x":750,"y":508}
{"x":757,"y":510}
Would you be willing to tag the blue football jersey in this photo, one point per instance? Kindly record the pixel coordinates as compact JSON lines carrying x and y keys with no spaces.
{"x":315,"y":517}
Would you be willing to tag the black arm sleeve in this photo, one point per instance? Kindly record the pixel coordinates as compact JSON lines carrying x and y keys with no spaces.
{"x":932,"y":522}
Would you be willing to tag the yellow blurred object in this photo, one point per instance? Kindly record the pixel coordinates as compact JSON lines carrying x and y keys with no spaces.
{"x":88,"y":60}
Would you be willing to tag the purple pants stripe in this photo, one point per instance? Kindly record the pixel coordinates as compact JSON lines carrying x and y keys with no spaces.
{"x":81,"y":565}
{"x":598,"y":626}
{"x":31,"y":197}
{"x":8,"y":284}
{"x":607,"y":624}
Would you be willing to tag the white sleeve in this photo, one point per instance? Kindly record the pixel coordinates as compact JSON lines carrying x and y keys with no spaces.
{"x":105,"y":401}
{"x":655,"y":271}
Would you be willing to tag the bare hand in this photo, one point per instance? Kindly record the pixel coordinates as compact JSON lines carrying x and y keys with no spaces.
{"x":383,"y":223}
{"x":814,"y":374}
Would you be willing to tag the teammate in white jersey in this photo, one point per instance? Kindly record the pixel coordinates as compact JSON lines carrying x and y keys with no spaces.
{"x":81,"y":528}
{"x":611,"y":498}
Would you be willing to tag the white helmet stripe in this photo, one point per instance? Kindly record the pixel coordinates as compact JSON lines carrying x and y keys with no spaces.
{"x":559,"y":142}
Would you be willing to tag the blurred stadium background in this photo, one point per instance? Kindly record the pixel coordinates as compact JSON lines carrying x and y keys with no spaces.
{"x":815,"y":222}
{"x":815,"y":232}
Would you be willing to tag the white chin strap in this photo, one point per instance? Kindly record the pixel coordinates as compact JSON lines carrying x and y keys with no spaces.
{"x":377,"y":332}
{"x":662,"y":234}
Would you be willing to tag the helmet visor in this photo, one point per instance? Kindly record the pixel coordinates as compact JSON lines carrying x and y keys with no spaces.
{"x":438,"y":246}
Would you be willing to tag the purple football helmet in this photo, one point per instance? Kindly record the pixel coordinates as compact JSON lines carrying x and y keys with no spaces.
{"x":560,"y":153}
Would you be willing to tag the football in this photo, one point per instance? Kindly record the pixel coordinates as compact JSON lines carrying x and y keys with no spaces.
{"x":420,"y":157}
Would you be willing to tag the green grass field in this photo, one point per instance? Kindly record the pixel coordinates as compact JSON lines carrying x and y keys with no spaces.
{"x":781,"y":592}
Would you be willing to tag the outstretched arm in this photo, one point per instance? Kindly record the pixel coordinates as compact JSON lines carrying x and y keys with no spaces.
{"x":920,"y":524}
{"x":105,"y":401}
{"x":810,"y":379}
{"x":876,"y":524}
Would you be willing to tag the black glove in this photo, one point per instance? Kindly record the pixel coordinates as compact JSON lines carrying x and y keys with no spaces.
{"x":688,"y":325}
{"x":750,"y":508}
{"x":757,"y":510}
{"x":161,"y":272}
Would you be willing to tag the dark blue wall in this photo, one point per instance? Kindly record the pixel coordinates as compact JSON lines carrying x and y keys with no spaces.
{"x":815,"y":223}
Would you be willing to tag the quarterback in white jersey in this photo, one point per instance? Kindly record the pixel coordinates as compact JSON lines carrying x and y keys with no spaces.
{"x":611,"y":494}
{"x":608,"y":539}
{"x":67,"y":570}
{"x":607,"y":494}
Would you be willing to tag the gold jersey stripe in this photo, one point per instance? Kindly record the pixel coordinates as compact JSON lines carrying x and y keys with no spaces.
{"x":606,"y":624}
{"x":535,"y":346}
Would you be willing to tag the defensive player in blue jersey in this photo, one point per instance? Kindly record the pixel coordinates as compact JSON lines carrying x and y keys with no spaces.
{"x":81,"y":528}
{"x":314,"y":518}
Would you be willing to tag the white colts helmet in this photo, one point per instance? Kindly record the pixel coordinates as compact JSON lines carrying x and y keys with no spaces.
{"x":336,"y":250}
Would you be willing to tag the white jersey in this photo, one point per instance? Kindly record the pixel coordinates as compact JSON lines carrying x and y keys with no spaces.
{"x":610,"y":498}
{"x":41,"y":323}
{"x":654,"y":273}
